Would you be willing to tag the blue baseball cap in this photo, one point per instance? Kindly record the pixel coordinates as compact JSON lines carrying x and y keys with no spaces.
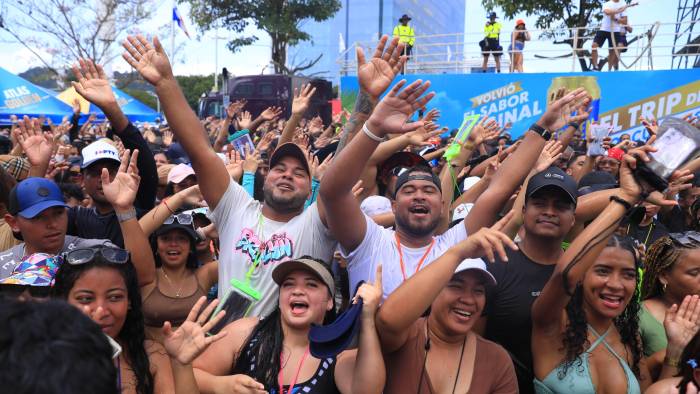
{"x":34,"y":195}
{"x":330,"y":340}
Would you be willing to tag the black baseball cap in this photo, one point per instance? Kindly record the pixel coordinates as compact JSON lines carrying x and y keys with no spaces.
{"x":417,"y":174}
{"x":553,"y":176}
{"x":401,"y":159}
{"x":596,"y":181}
{"x":293,"y":150}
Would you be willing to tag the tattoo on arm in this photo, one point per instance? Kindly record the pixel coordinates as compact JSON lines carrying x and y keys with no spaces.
{"x":363,"y":109}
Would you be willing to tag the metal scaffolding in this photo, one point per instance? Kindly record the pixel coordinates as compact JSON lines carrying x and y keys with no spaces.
{"x":686,"y":51}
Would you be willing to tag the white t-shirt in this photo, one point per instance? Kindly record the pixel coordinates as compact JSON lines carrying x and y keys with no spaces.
{"x":610,"y":23}
{"x":379,"y":246}
{"x":243,"y":229}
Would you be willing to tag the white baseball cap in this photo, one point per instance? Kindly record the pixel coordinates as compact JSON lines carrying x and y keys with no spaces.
{"x":99,"y":150}
{"x":461,"y":211}
{"x":469,"y":182}
{"x":478,"y":265}
{"x":375,"y":205}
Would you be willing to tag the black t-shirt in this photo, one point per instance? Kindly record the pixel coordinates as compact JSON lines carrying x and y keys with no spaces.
{"x":647,"y":235}
{"x":674,"y":220}
{"x":88,"y":223}
{"x":508,"y":309}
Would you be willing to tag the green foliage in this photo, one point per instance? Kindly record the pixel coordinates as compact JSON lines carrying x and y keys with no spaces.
{"x":142,"y":96}
{"x":41,"y":76}
{"x":279,"y":18}
{"x":194,"y":85}
{"x":552,"y":13}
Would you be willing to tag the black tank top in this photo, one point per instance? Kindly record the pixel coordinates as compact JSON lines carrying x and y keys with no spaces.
{"x":322,"y":381}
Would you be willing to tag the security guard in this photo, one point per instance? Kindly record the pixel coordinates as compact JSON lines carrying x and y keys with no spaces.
{"x":490,"y":44}
{"x":405,"y":33}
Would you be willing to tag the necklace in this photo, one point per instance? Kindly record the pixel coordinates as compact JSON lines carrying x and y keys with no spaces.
{"x":280,"y":376}
{"x":425,"y":360}
{"x":420,"y":262}
{"x":177,"y":294}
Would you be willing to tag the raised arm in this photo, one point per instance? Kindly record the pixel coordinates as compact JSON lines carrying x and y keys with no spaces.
{"x":343,"y":214}
{"x":584,"y":250}
{"x":153,"y":65}
{"x":156,"y":216}
{"x":121,"y":193}
{"x":515,"y":168}
{"x":410,"y":300}
{"x":299,"y":106}
{"x":37,"y":145}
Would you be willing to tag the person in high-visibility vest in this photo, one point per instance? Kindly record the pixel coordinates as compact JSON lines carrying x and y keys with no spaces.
{"x":405,"y":33}
{"x":490,"y":44}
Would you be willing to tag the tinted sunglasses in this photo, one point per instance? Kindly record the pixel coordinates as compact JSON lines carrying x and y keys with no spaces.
{"x":14,"y":291}
{"x":86,"y":255}
{"x":180,"y":218}
{"x":396,"y":171}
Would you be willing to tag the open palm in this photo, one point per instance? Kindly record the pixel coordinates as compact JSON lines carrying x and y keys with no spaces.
{"x":681,"y":322}
{"x":190,"y":339}
{"x":38,"y":146}
{"x":376,"y":75}
{"x":392,"y":112}
{"x":121,"y":192}
{"x":149,"y":60}
{"x":92,"y":83}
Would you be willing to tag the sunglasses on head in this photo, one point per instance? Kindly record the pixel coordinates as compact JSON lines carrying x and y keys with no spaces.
{"x":14,"y":291}
{"x":180,"y":218}
{"x":85,"y":255}
{"x":396,"y":171}
{"x":688,"y":238}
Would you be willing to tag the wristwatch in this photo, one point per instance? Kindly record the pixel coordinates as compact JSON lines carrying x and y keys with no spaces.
{"x":128,"y":215}
{"x":546,"y":134}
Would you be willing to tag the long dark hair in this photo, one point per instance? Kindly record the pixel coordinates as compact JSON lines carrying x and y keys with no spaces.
{"x":132,"y":333}
{"x":264,"y":345}
{"x":627,"y":323}
{"x":192,"y":262}
{"x":687,"y":370}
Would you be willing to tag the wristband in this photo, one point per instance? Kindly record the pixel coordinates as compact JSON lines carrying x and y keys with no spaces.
{"x":165,"y":202}
{"x":622,"y":202}
{"x":544,"y":133}
{"x":574,"y":125}
{"x":469,"y":145}
{"x":128,"y":215}
{"x":671,"y":362}
{"x":371,"y":135}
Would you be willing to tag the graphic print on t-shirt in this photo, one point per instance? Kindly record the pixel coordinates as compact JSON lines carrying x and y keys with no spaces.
{"x":278,"y":248}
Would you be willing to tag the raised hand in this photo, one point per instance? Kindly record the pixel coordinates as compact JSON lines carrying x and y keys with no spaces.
{"x":190,"y":339}
{"x":691,"y":119}
{"x":376,"y":75}
{"x":149,"y":60}
{"x":265,"y":141}
{"x":420,"y":136}
{"x":37,"y":145}
{"x":245,"y":120}
{"x":392,"y":112}
{"x":371,"y":294}
{"x":554,"y":117}
{"x":582,"y":113}
{"x":193,"y":196}
{"x":121,"y":192}
{"x":235,"y":165}
{"x":629,"y":186}
{"x":357,"y":190}
{"x":318,"y":170}
{"x":431,"y":115}
{"x":271,"y":113}
{"x":488,"y":241}
{"x":551,"y":153}
{"x":301,"y":99}
{"x":486,"y":129}
{"x":650,"y":124}
{"x":252,"y":160}
{"x":167,"y":137}
{"x":681,"y":322}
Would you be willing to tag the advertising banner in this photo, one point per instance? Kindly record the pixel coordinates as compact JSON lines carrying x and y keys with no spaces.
{"x":619,"y":98}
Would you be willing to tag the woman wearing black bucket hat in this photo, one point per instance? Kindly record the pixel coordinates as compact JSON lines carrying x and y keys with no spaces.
{"x":274,"y":354}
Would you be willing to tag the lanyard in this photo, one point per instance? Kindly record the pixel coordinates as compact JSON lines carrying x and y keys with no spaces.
{"x":646,"y":239}
{"x":280,"y":376}
{"x":420,"y":262}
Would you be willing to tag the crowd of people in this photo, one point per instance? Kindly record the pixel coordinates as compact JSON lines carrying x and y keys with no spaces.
{"x":358,"y":256}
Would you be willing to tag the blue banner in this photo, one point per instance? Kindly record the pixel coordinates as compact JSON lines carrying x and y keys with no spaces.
{"x":619,"y":98}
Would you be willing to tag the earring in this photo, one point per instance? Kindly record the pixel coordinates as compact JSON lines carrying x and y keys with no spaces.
{"x":663,"y":287}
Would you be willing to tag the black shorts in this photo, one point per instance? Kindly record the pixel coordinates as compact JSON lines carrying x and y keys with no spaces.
{"x":602,"y":36}
{"x":491,"y":47}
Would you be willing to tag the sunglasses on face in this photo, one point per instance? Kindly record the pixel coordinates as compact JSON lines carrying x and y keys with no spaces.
{"x":14,"y":291}
{"x":86,"y":255}
{"x":180,"y":218}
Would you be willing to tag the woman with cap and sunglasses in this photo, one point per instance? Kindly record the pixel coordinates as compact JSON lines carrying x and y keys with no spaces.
{"x":101,"y":281}
{"x":272,"y":354}
{"x":517,"y":44}
{"x":440,"y":353}
{"x":180,"y":281}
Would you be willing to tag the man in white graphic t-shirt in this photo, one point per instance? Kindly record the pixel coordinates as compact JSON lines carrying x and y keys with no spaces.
{"x":417,"y":198}
{"x":610,"y":29}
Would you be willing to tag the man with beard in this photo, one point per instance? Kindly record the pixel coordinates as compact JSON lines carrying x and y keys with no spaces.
{"x":417,"y":197}
{"x":254,"y":236}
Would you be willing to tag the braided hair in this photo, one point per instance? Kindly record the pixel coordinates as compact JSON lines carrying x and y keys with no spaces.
{"x":575,"y":339}
{"x":661,"y":257}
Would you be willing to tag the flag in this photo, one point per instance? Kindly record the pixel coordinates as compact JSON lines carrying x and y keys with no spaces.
{"x":341,"y":43}
{"x":177,"y":18}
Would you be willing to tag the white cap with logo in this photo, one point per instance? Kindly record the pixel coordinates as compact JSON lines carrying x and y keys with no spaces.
{"x":99,"y":150}
{"x":477,"y":265}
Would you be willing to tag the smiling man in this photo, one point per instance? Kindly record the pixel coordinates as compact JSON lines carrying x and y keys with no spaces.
{"x":548,"y":215}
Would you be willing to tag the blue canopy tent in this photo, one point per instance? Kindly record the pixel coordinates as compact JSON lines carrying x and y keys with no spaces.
{"x":135,"y":110}
{"x":21,"y":97}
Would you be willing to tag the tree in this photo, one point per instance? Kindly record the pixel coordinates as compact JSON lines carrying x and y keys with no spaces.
{"x":558,"y":15}
{"x":193,"y":86}
{"x":70,"y":29}
{"x":279,"y":18}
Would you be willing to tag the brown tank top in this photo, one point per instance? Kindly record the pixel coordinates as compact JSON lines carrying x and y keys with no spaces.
{"x":159,"y":308}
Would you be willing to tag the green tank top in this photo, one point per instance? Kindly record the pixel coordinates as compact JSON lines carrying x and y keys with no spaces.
{"x":652,"y":332}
